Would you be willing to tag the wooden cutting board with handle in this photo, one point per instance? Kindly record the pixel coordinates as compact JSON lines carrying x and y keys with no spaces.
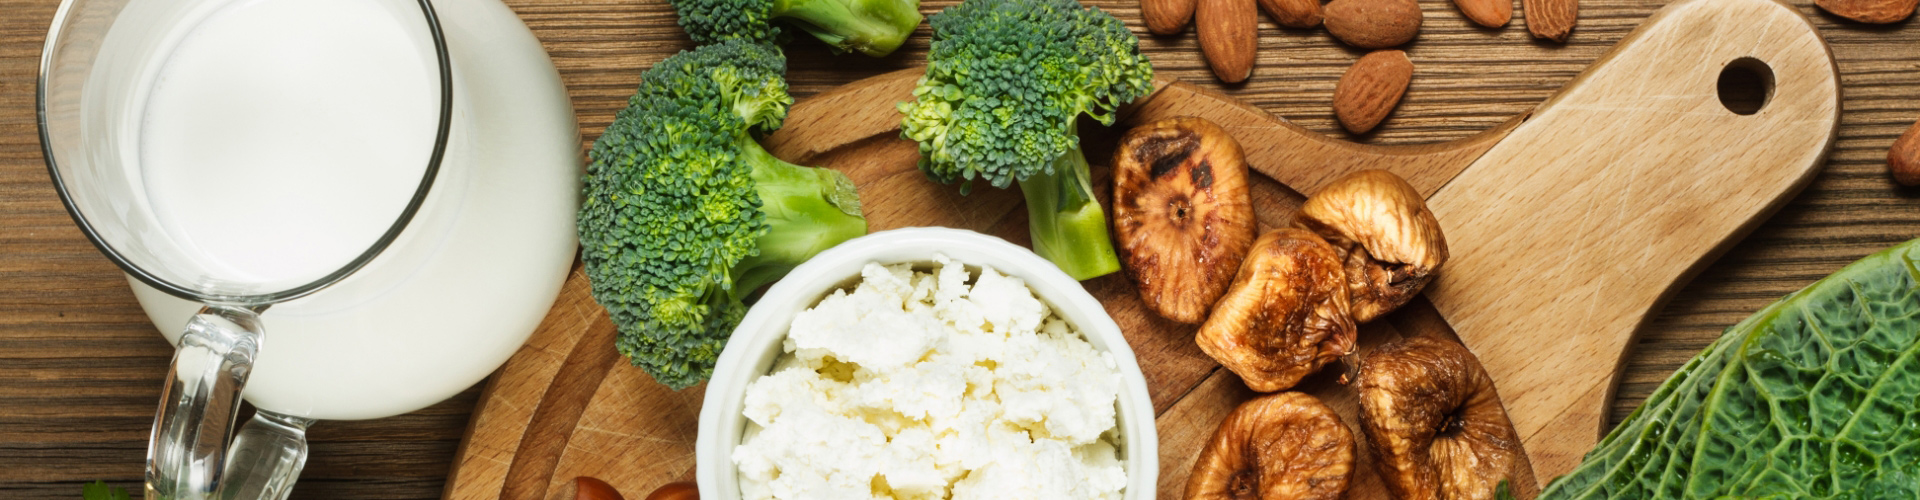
{"x":1568,"y":227}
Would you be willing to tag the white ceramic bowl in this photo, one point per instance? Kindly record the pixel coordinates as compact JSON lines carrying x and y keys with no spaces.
{"x":756,"y":343}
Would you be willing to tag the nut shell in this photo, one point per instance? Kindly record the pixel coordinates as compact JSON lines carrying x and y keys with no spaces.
{"x":684,"y":490}
{"x":1285,"y":315}
{"x":590,"y":488}
{"x":1434,"y":422}
{"x":1284,"y":445}
{"x":1389,"y":241}
{"x":1182,"y":216}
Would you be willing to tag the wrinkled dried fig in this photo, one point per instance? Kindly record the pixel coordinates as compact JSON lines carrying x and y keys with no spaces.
{"x":1280,"y":446}
{"x":1285,"y":315}
{"x":1389,"y":241}
{"x":1435,"y":424}
{"x":1182,"y":218}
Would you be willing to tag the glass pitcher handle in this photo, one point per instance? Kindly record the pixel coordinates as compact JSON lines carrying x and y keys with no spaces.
{"x":188,"y":451}
{"x":267,"y":457}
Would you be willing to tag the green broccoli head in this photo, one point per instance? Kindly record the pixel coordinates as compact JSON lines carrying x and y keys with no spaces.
{"x":684,"y":213}
{"x":872,"y":27}
{"x":1006,"y":81}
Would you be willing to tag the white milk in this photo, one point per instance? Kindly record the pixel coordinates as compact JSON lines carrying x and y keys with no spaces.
{"x":283,"y":137}
{"x":476,"y":270}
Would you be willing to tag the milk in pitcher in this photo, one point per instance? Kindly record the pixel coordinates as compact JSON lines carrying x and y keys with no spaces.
{"x":282,"y":138}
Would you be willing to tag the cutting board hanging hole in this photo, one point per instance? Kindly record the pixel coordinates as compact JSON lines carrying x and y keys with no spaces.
{"x":1745,"y":85}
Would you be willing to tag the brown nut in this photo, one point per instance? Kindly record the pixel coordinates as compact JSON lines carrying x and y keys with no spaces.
{"x":1435,"y":424}
{"x":1166,"y":17}
{"x":1182,"y":218}
{"x":1489,"y":13}
{"x":1903,"y":159}
{"x":1373,"y":24}
{"x":587,"y":488}
{"x":1870,"y":11}
{"x":1389,"y":241}
{"x":1551,"y":19}
{"x":1285,"y":315}
{"x":684,"y":490}
{"x":1229,"y":37}
{"x":1283,"y":445}
{"x":1370,"y":89}
{"x":1293,"y":13}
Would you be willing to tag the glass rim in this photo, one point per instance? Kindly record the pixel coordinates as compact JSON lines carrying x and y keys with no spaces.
{"x":253,"y":299}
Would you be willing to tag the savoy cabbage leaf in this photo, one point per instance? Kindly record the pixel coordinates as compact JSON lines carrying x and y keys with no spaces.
{"x":1817,"y":396}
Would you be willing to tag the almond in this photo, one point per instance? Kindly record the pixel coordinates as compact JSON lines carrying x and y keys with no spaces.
{"x":1293,"y":13}
{"x":1373,"y":24}
{"x":1870,"y":11}
{"x":1228,"y":30}
{"x":1489,"y":13}
{"x":1903,"y":160}
{"x":1166,"y":17}
{"x":1551,"y":19}
{"x":1371,"y":89}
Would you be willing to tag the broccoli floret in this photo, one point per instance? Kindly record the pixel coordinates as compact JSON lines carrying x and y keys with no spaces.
{"x":685,"y":214}
{"x":872,"y":27}
{"x":1006,"y":82}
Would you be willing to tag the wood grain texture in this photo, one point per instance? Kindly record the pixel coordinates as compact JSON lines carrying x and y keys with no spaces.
{"x":1600,"y":228}
{"x":1635,"y":158}
{"x":80,"y":367}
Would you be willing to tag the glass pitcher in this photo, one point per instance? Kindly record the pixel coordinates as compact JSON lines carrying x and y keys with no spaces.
{"x":219,"y":172}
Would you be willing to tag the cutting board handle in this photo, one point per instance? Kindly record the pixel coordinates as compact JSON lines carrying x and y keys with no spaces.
{"x":1570,"y":232}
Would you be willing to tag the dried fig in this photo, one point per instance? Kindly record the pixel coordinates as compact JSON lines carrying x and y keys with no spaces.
{"x":1435,"y":423}
{"x":1182,"y":218}
{"x":1285,"y":315}
{"x":1279,"y":446}
{"x":1389,"y":241}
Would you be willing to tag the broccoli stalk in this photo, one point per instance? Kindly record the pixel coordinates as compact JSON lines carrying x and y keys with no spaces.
{"x":807,"y":209}
{"x":684,"y":215}
{"x":1065,"y":220}
{"x":871,"y":27}
{"x":1006,"y":82}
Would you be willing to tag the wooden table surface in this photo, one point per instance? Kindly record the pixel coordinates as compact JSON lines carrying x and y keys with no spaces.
{"x":81,"y":368}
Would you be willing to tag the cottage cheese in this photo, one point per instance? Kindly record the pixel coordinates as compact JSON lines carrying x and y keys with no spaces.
{"x":921,"y":385}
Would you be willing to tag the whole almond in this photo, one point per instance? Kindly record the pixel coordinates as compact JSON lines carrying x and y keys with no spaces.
{"x":1489,"y":13}
{"x":1228,"y":30}
{"x":1166,"y":17}
{"x":1870,"y":11}
{"x":1551,"y":19}
{"x":1293,"y":13}
{"x":1903,"y":160}
{"x":1373,"y":24}
{"x":1371,"y":89}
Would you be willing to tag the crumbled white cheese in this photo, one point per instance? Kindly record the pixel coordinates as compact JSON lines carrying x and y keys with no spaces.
{"x":921,"y":385}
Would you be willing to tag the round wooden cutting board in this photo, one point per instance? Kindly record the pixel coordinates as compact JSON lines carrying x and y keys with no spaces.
{"x":1567,"y":226}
